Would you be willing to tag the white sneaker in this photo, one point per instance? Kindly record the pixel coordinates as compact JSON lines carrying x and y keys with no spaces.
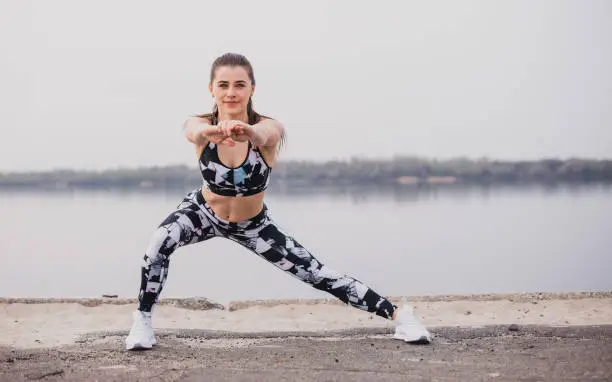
{"x":141,"y":335}
{"x":409,"y":328}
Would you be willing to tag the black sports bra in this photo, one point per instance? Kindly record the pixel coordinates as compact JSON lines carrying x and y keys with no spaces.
{"x":251,"y":177}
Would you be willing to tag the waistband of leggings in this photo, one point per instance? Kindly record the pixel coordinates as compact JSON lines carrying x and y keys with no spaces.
{"x":250,"y":223}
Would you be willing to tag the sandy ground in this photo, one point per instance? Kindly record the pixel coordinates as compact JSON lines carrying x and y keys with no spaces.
{"x":559,"y":337}
{"x":30,"y":325}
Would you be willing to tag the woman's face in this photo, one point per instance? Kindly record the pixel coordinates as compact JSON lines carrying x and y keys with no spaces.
{"x":232,"y":89}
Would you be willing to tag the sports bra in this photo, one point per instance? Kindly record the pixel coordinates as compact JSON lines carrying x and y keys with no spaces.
{"x":249,"y":178}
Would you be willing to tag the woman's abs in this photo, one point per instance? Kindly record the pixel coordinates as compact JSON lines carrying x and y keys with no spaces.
{"x":232,"y":208}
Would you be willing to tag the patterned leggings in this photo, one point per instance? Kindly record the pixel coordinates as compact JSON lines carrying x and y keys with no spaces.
{"x":194,"y":221}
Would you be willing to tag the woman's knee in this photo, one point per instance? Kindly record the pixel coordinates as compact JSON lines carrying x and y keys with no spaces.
{"x":326,"y":273}
{"x":162,"y":243}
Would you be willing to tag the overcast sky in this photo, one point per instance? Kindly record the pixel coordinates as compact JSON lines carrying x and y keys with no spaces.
{"x":106,"y":84}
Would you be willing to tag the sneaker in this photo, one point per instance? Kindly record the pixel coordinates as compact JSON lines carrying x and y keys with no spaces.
{"x":141,"y":335}
{"x":409,"y":328}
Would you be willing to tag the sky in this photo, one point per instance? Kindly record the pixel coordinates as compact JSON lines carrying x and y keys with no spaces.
{"x":108,"y":84}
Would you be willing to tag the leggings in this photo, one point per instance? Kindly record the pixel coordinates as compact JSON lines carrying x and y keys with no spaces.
{"x":194,"y":221}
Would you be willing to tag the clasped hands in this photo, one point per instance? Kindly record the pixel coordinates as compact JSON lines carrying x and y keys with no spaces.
{"x":229,"y":132}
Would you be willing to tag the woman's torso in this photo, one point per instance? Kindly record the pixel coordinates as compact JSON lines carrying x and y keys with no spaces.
{"x":223,"y":167}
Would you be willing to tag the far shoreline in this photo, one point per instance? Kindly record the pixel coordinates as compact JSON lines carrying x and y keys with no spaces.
{"x":401,"y":171}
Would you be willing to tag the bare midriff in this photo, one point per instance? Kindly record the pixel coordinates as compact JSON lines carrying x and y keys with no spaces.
{"x":234,"y":208}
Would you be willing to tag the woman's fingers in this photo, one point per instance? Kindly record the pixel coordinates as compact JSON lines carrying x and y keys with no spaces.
{"x":228,"y":128}
{"x":237,"y":130}
{"x":217,"y":135}
{"x":229,"y":132}
{"x":225,"y":141}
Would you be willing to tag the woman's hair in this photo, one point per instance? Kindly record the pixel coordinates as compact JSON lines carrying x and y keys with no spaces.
{"x":235,"y":59}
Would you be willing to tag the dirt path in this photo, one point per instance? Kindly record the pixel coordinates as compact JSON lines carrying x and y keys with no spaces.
{"x":365,"y":354}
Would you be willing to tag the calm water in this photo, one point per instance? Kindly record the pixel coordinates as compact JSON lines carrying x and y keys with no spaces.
{"x":84,"y":244}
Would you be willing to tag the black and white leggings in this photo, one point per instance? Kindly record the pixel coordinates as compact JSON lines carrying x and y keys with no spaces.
{"x":194,"y":221}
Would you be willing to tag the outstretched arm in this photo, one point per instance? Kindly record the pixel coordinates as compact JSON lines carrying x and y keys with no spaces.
{"x":270,"y":132}
{"x":266,"y":133}
{"x":199,"y":131}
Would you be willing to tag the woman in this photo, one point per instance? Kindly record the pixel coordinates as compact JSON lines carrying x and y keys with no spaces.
{"x":237,"y":150}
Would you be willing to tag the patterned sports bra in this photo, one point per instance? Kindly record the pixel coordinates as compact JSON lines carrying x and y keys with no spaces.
{"x":249,"y":178}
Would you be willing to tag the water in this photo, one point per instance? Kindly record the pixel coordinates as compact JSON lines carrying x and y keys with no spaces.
{"x":461,"y":240}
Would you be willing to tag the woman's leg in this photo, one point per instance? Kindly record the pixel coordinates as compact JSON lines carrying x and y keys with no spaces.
{"x":187,"y":225}
{"x":282,"y":250}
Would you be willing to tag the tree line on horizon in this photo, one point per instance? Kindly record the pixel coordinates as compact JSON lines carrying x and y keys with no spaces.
{"x":354,"y":172}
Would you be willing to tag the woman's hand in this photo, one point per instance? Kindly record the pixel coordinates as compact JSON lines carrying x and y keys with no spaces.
{"x":217,"y":134}
{"x":266,"y":133}
{"x":242,"y":132}
{"x":199,"y":131}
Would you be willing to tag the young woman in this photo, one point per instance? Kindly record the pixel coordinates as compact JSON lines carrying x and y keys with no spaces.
{"x":237,"y":150}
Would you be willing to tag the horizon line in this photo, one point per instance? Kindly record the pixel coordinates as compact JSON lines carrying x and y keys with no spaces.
{"x":321,"y":161}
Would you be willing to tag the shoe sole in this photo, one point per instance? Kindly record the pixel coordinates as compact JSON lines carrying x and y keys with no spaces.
{"x":138,"y":346}
{"x":421,"y":341}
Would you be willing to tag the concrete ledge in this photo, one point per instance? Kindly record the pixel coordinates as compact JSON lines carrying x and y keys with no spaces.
{"x":446,"y":332}
{"x":202,"y":303}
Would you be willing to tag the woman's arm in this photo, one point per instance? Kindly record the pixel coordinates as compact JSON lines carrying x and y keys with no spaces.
{"x":194,"y":128}
{"x":199,"y":131}
{"x":270,"y":132}
{"x":266,"y":133}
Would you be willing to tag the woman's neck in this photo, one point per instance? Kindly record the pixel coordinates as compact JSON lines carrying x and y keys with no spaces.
{"x":223,"y":116}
